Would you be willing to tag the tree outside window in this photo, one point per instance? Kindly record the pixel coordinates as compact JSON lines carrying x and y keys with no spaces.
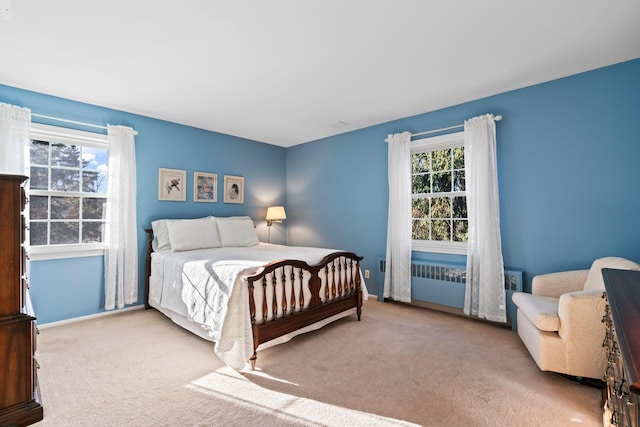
{"x":67,"y":192}
{"x":439,"y":207}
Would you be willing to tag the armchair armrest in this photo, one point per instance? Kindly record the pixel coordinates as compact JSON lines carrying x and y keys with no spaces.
{"x":581,"y":315}
{"x":556,"y":284}
{"x":582,"y":330}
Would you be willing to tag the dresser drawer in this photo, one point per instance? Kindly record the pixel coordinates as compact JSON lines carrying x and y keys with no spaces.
{"x":16,"y":380}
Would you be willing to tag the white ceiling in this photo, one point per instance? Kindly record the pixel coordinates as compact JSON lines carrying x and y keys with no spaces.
{"x":286,"y":72}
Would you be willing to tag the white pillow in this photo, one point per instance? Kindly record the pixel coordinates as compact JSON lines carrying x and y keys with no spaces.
{"x":595,"y":282}
{"x":237,"y":231}
{"x":189,"y":234}
{"x":160,"y":240}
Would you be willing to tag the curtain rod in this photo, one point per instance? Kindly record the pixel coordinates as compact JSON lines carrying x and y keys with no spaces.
{"x":42,"y":116}
{"x":497,"y":119}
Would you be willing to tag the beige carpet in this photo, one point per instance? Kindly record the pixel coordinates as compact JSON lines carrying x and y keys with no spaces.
{"x":400,"y":366}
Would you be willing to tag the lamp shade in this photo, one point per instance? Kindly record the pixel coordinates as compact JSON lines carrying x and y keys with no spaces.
{"x":276,"y":213}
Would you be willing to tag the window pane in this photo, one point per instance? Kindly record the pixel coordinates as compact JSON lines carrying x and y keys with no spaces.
{"x":458,"y":158}
{"x":92,"y":232}
{"x":94,"y":182}
{"x":420,"y":162}
{"x":442,"y":182}
{"x":459,"y":207}
{"x":93,"y":208}
{"x":37,"y":233}
{"x":420,"y":230}
{"x":38,"y":207}
{"x":95,"y":159}
{"x":38,"y":179}
{"x":39,"y":152}
{"x":65,"y":180}
{"x":94,"y":163}
{"x":441,"y":207}
{"x":458,"y":181}
{"x":421,"y":184}
{"x":65,"y":233}
{"x":65,"y":207}
{"x":460,"y":230}
{"x":420,"y":208}
{"x":65,"y":155}
{"x":441,"y":230}
{"x":441,"y":160}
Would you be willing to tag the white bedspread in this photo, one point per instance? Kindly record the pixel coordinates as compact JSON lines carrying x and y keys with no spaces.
{"x":208,"y":287}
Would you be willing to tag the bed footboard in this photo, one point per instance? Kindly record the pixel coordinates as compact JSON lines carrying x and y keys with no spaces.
{"x":288,"y":295}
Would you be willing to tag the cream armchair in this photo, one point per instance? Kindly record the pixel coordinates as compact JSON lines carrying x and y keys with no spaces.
{"x":560,"y":322}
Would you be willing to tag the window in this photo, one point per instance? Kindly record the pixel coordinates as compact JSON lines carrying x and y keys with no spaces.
{"x":67,"y":190}
{"x":439,"y":202}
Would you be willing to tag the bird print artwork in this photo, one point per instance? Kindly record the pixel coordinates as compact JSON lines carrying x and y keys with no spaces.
{"x":206,"y":191}
{"x":174,"y":183}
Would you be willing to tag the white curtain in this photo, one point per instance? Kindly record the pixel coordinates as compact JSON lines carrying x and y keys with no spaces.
{"x":485,"y":294}
{"x":121,"y":256}
{"x":397,"y":276}
{"x":15,"y":127}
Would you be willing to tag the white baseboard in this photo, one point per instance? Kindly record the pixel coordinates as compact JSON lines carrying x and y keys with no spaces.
{"x":90,"y":316}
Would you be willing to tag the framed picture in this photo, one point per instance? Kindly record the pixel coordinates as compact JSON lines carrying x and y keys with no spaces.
{"x":205,"y":187}
{"x":171,"y":185}
{"x":233,"y":189}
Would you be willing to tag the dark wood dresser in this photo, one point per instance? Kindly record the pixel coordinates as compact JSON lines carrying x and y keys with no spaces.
{"x":622,"y":341}
{"x":19,"y":395}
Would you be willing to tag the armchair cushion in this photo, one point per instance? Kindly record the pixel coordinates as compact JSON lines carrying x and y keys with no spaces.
{"x":541,"y":311}
{"x":594,"y":280}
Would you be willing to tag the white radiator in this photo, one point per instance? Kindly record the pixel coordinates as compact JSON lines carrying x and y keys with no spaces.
{"x":444,"y":284}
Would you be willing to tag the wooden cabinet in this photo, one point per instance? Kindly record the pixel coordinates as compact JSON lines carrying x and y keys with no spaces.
{"x":19,"y":395}
{"x":622,"y":341}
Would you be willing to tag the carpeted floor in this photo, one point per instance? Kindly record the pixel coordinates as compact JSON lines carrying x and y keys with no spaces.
{"x":399,"y":366}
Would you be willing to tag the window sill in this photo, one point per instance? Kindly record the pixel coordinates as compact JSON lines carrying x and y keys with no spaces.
{"x":456,"y":248}
{"x":64,"y":251}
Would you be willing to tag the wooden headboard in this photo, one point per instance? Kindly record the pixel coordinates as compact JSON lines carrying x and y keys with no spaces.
{"x":149,"y":232}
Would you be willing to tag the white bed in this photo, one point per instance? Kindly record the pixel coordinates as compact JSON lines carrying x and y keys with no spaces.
{"x":210,"y":291}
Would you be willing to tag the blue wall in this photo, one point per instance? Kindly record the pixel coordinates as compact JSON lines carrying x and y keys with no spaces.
{"x":67,"y":288}
{"x":569,"y":177}
{"x":568,"y":174}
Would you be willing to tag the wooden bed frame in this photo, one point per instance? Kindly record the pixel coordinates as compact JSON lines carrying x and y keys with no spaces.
{"x":342,"y":294}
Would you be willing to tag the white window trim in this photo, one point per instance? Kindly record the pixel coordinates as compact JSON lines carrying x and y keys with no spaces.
{"x":439,"y":142}
{"x":433,"y":143}
{"x":41,"y":253}
{"x":72,"y":137}
{"x":457,"y":248}
{"x":69,"y":136}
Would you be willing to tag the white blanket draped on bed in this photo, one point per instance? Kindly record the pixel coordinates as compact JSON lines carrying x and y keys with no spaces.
{"x":207,"y":289}
{"x":209,"y":286}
